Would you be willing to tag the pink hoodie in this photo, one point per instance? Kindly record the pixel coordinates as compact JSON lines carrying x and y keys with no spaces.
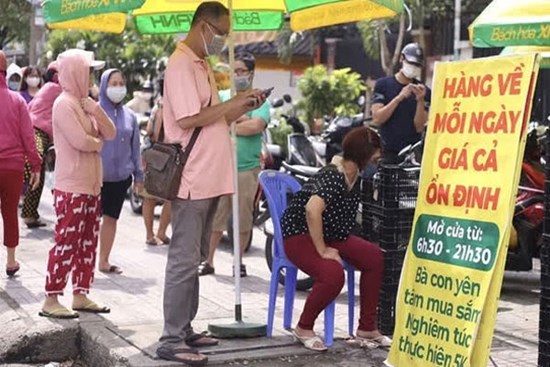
{"x":78,"y":136}
{"x":41,"y":107}
{"x":16,"y":136}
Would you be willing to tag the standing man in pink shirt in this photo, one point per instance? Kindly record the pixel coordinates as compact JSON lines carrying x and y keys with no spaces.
{"x":191,"y":101}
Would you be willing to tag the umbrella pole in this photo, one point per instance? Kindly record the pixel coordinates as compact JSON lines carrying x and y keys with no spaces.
{"x":237,"y":328}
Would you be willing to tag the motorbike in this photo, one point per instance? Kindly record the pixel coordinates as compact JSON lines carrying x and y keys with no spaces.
{"x":527,"y":229}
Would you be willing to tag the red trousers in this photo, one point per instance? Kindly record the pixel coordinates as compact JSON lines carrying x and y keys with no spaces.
{"x":329,"y":276}
{"x":11,"y":183}
{"x":76,"y":234}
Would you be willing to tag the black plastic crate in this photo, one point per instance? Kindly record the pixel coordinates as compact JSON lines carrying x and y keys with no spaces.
{"x":392,"y":187}
{"x":544,"y":360}
{"x":393,"y":261}
{"x":544,"y":354}
{"x":544,"y":322}
{"x":386,"y":317}
{"x":390,"y":228}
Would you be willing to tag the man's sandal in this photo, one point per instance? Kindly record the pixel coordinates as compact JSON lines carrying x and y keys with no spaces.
{"x":201,"y":340}
{"x":170,"y":354}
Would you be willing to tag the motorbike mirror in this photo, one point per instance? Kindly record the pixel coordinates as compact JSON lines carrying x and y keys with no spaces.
{"x":277,"y":103}
{"x":287,"y":98}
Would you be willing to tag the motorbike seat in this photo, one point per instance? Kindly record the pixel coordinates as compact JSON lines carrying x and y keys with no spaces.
{"x":536,"y":176}
{"x":301,"y":170}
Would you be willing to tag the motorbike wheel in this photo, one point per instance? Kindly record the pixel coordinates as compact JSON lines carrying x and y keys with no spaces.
{"x":522,"y":258}
{"x":261,"y":212}
{"x":136,"y":201}
{"x":303,"y":283}
{"x":230,"y":236}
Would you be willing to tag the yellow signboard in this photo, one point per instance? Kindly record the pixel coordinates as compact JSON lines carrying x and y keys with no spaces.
{"x":470,"y":172}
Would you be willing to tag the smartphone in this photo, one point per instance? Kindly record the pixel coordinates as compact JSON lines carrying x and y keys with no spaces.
{"x":416,"y":81}
{"x":267,"y":92}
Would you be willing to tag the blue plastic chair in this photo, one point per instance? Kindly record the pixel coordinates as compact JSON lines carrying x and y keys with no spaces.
{"x":276,"y":185}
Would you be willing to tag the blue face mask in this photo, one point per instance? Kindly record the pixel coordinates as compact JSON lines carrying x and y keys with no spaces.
{"x":13,"y":85}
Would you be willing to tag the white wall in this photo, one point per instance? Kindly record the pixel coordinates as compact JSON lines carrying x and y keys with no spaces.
{"x":280,"y":79}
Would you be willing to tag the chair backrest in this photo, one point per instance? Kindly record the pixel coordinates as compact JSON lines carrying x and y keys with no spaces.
{"x":276,"y":186}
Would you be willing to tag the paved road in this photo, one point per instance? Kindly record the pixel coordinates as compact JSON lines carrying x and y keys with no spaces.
{"x":135,"y":297}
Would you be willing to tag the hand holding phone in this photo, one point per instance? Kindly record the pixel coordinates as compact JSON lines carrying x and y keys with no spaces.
{"x":267,"y":92}
{"x":260,"y":97}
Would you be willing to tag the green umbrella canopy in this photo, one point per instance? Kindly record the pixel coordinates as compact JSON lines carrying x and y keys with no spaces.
{"x":512,"y":23}
{"x":174,"y":16}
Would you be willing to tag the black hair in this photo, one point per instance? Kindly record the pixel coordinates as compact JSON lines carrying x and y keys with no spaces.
{"x":248,"y":59}
{"x":49,"y":74}
{"x":209,"y":10}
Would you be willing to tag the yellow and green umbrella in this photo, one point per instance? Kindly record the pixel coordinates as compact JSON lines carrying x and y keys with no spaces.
{"x":174,"y":16}
{"x":512,"y":23}
{"x":521,"y":50}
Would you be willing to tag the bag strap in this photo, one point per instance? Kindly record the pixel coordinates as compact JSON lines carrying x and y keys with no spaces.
{"x":192,"y":141}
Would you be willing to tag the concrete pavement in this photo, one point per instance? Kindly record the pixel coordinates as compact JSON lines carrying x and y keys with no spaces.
{"x":128,"y":335}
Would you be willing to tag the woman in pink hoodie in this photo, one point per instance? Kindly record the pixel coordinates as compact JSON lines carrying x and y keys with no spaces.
{"x":16,"y":142}
{"x":79,"y":128}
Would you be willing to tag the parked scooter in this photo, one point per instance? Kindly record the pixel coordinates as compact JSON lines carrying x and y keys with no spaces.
{"x":526,"y":236}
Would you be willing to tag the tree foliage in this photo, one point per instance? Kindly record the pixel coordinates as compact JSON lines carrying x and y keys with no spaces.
{"x":325,"y":93}
{"x":374,"y":32}
{"x":15,"y":20}
{"x":139,"y":56}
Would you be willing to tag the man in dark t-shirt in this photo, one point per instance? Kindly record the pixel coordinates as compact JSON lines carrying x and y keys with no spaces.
{"x":400,"y":104}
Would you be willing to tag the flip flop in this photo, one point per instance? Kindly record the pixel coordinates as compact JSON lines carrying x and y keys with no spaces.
{"x":206,"y":269}
{"x":165,"y":240}
{"x":195,"y":340}
{"x":59,"y":313}
{"x":92,"y":307}
{"x":171,"y":355}
{"x":371,"y":343}
{"x":112,"y":269}
{"x":153,"y":242}
{"x":36,"y":224}
{"x":309,"y":342}
{"x":10,"y":271}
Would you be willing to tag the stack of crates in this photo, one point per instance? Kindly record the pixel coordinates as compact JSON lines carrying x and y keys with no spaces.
{"x":388,"y":205}
{"x":544,"y":318}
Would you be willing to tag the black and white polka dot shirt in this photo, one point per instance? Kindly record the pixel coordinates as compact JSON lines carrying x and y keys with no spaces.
{"x":340,"y":205}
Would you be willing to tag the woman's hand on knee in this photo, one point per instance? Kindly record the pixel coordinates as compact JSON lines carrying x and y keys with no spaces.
{"x":331,"y":253}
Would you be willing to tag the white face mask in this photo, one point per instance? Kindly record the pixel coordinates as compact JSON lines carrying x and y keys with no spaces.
{"x":147,"y":95}
{"x":411,"y":71}
{"x":116,"y":94}
{"x":33,"y":81}
{"x":215,"y":47}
